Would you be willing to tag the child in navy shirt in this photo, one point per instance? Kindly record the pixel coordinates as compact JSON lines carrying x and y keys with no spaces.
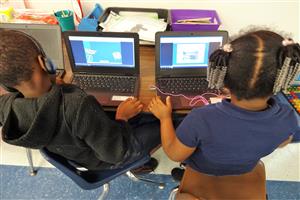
{"x":229,"y":138}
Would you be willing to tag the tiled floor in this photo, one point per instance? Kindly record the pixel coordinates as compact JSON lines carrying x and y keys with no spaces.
{"x":51,"y":184}
{"x":283,"y":164}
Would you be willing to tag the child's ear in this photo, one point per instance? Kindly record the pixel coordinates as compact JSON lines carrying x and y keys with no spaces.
{"x":41,"y":62}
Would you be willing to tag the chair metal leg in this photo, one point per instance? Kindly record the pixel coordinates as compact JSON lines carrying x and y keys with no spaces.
{"x":29,"y":157}
{"x":136,"y":178}
{"x":173,"y":194}
{"x":104,"y":192}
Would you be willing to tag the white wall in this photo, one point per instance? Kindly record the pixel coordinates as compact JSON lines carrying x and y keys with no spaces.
{"x":283,"y":15}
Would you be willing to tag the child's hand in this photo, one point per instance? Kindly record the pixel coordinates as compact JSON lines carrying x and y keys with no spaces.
{"x":59,"y":81}
{"x":159,"y":109}
{"x":128,"y":109}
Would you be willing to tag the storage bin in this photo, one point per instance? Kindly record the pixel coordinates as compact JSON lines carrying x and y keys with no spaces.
{"x":162,"y":13}
{"x":180,"y":14}
{"x":90,"y":22}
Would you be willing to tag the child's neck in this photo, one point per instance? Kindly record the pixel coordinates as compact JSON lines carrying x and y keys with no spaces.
{"x":258,"y":104}
{"x":28,"y":92}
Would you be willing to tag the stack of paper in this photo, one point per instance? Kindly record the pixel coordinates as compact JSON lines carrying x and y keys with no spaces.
{"x":145,"y":24}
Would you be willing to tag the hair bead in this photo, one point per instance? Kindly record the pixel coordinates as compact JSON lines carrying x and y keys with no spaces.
{"x":282,"y":76}
{"x":217,"y":67}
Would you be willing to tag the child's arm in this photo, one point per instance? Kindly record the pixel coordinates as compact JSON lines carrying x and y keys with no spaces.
{"x":286,"y":142}
{"x":171,"y":144}
{"x":112,"y":141}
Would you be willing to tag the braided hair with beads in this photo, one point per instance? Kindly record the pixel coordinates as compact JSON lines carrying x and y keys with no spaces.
{"x":255,"y":65}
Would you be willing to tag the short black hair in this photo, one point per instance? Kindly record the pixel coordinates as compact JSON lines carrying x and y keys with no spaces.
{"x":17,"y":54}
{"x":253,"y":63}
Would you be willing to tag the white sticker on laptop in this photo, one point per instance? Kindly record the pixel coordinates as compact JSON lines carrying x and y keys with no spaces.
{"x":215,"y":100}
{"x":120,"y":98}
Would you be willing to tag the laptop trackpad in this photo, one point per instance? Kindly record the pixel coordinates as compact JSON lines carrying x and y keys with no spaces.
{"x":102,"y":98}
{"x":184,"y":102}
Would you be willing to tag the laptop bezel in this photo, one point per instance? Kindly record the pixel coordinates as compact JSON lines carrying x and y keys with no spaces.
{"x":23,"y":27}
{"x":105,"y":70}
{"x":186,"y":72}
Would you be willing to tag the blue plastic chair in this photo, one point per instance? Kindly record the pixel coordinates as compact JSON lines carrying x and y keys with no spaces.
{"x":89,"y":180}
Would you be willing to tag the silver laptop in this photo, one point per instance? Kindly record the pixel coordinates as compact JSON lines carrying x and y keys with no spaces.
{"x":49,"y":36}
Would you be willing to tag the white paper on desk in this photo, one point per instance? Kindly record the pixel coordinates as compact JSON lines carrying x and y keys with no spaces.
{"x":146,"y":27}
{"x":153,"y":15}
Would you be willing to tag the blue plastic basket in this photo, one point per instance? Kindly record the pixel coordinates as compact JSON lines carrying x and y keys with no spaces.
{"x":90,"y":22}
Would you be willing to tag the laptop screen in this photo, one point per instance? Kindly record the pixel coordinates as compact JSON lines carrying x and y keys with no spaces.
{"x":99,"y":52}
{"x":180,"y":52}
{"x":49,"y":36}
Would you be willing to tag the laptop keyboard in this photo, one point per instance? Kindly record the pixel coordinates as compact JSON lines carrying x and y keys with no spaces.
{"x":184,"y":85}
{"x":120,"y":84}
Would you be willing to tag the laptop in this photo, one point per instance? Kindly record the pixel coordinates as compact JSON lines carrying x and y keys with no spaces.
{"x":105,"y":64}
{"x":181,"y":66}
{"x":49,"y":36}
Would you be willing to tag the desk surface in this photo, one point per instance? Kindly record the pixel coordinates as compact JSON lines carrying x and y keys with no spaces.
{"x":147,"y":73}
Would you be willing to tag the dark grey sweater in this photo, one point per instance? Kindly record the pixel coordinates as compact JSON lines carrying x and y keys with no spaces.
{"x":70,"y":123}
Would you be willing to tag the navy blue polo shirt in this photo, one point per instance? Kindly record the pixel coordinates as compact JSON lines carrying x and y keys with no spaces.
{"x":230,"y":140}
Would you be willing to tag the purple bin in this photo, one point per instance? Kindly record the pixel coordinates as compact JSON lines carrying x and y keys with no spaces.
{"x":178,"y":14}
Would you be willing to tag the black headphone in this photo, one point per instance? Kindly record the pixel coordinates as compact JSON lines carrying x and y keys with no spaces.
{"x":49,"y":65}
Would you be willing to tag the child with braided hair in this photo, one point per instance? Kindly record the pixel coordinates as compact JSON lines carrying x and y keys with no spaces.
{"x":230,"y":137}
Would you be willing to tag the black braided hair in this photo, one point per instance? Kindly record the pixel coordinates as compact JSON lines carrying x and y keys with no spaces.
{"x":219,"y":58}
{"x":292,"y":51}
{"x":254,"y":62}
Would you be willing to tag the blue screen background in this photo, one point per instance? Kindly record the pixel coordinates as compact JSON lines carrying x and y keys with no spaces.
{"x":104,"y":51}
{"x":168,"y":55}
{"x":175,"y":62}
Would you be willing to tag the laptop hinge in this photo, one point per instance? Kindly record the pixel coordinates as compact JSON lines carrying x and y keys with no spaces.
{"x":164,"y":76}
{"x":129,"y":74}
{"x":104,"y":74}
{"x":179,"y":76}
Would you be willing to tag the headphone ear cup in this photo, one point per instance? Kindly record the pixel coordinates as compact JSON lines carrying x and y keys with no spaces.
{"x":50,"y":66}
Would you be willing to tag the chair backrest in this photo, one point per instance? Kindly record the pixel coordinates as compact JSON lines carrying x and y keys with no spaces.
{"x":251,"y":185}
{"x":89,"y":180}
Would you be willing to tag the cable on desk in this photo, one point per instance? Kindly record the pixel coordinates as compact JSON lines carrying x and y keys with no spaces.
{"x":192,"y":100}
